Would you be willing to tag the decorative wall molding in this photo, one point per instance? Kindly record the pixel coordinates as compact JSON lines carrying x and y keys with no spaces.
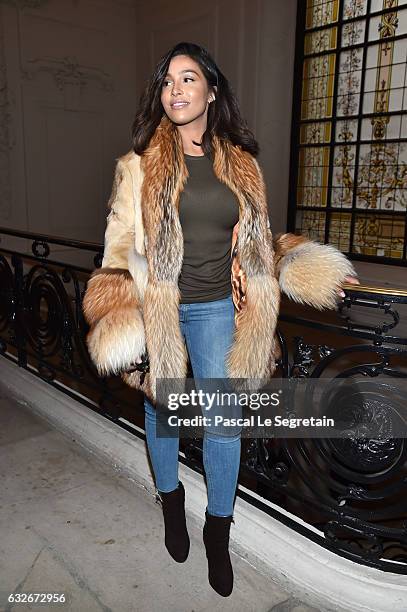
{"x":5,"y":114}
{"x":67,"y":71}
{"x":6,"y":143}
{"x":22,"y":4}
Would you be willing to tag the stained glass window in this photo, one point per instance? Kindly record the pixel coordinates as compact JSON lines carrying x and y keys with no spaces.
{"x":349,"y":157}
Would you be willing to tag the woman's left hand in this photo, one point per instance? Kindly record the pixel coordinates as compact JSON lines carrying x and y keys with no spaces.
{"x":349,"y":279}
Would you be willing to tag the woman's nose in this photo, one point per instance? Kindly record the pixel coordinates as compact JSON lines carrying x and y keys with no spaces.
{"x":176,"y":89}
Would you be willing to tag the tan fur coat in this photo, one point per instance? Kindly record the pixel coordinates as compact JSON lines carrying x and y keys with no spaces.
{"x":131,"y":302}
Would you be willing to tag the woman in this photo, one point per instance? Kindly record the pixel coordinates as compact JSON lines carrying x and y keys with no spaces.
{"x":191,"y":270}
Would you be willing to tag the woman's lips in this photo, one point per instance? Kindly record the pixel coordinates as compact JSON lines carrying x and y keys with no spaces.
{"x":177,"y":105}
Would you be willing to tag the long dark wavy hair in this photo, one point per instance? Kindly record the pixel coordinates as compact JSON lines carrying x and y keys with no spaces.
{"x":224,"y":118}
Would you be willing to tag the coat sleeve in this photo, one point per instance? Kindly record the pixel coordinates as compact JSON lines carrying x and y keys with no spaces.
{"x":112,"y":304}
{"x":308,"y":271}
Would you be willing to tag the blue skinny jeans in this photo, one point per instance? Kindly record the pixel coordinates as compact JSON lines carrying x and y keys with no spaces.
{"x":207,"y":328}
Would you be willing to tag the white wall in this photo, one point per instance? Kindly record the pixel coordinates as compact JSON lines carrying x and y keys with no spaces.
{"x":69,"y":69}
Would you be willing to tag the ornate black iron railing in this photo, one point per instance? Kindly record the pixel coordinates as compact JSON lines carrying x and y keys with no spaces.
{"x":350,"y":494}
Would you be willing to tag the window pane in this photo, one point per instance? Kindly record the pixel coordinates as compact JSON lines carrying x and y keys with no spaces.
{"x":389,"y":24}
{"x":352,"y":142}
{"x":382,"y":176}
{"x":346,"y":130}
{"x":311,"y":224}
{"x":322,"y":40}
{"x":354,"y":8}
{"x":379,"y":235}
{"x":321,"y":12}
{"x":343,"y":176}
{"x":313,"y":176}
{"x":339,"y":230}
{"x":353,"y":33}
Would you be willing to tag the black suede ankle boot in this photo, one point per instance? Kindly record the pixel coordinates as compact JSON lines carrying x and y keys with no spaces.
{"x":216,"y":539}
{"x":176,"y":534}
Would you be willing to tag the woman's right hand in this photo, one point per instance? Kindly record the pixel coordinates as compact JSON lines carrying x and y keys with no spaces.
{"x":141,"y":364}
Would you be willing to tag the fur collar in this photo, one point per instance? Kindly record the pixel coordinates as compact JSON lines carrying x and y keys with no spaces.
{"x":165,"y":174}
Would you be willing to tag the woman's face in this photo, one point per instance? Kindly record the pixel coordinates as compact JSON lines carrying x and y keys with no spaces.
{"x":185,"y":94}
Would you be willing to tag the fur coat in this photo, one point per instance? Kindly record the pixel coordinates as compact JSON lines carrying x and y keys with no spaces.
{"x":131,"y":302}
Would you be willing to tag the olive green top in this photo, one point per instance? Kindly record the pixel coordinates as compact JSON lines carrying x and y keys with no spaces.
{"x":208,"y":210}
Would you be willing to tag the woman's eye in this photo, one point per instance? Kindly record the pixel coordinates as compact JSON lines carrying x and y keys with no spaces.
{"x":185,"y":79}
